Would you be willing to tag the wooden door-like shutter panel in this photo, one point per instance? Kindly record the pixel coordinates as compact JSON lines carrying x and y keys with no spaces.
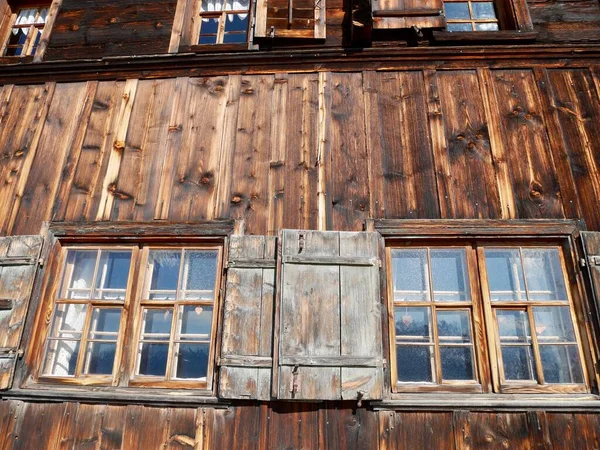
{"x":396,"y":14}
{"x":18,"y":263}
{"x":329,"y":313}
{"x":246,"y":351}
{"x":591,"y":245}
{"x":296,"y":19}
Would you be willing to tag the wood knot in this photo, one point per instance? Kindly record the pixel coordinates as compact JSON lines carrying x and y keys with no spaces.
{"x":119,"y":146}
{"x":113,"y":20}
{"x":75,"y":27}
{"x":205,"y":180}
{"x":248,"y":91}
{"x":236,"y":199}
{"x":19,"y":153}
{"x":535,"y":194}
{"x":175,"y":128}
{"x":460,"y":137}
{"x":471,"y":145}
{"x":158,"y":25}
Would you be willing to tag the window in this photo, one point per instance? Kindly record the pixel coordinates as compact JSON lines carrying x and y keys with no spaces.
{"x":222,"y":21}
{"x":26,"y":31}
{"x":472,"y":15}
{"x":165,"y":309}
{"x":483,"y":317}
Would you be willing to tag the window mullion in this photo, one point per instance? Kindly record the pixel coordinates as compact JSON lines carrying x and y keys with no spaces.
{"x":83,"y":340}
{"x":535,"y":345}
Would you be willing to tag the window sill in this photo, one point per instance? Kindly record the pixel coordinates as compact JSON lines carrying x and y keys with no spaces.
{"x":489,"y":402}
{"x":488,"y":37}
{"x":16,"y":59}
{"x":216,"y":48}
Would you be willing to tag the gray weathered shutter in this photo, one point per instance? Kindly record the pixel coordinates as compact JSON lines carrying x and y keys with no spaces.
{"x":246,"y":351}
{"x":18,"y":263}
{"x":297,"y":19}
{"x":591,"y":246}
{"x":397,"y":14}
{"x":329,"y":316}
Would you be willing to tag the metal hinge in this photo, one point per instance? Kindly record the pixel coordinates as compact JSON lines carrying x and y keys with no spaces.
{"x":593,"y":260}
{"x":295,"y":381}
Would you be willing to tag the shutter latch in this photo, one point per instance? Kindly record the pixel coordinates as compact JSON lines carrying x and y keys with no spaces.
{"x":359,"y":397}
{"x":295,"y":381}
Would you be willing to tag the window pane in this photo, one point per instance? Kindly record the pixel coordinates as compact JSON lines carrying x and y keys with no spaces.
{"x":69,"y":320}
{"x":158,"y":322}
{"x":505,"y":275}
{"x":414,"y":363}
{"x":553,"y":324}
{"x":79,"y":273}
{"x":544,"y":275}
{"x":513,"y":326}
{"x":459,"y":27}
{"x":153,"y":359}
{"x":410,"y":274}
{"x":163,"y":266}
{"x":483,"y":10}
{"x":200,"y":272}
{"x":196,"y":320}
{"x":192,"y":360}
{"x":412,"y":324}
{"x":234,"y":38}
{"x":211,"y":5}
{"x":560,"y":364}
{"x":237,"y":5}
{"x":209,"y":25}
{"x":100,"y":358}
{"x":518,"y":363}
{"x":457,"y":363}
{"x":113,"y":273}
{"x":210,"y":39}
{"x":486,"y":26}
{"x":61,"y":357}
{"x":457,"y":10}
{"x":236,"y":22}
{"x":449,"y":275}
{"x":454,"y":326}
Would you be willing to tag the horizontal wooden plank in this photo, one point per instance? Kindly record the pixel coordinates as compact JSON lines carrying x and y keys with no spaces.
{"x":259,"y":263}
{"x":245,"y":361}
{"x":331,"y":260}
{"x":475,"y":228}
{"x":408,"y":12}
{"x":17,"y":261}
{"x":330,"y":361}
{"x":485,"y":36}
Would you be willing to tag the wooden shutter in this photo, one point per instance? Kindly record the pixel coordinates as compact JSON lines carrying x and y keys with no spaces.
{"x":246,"y":351}
{"x":329,"y":317}
{"x":591,"y":246}
{"x":18,"y":263}
{"x":297,"y":19}
{"x":397,"y":14}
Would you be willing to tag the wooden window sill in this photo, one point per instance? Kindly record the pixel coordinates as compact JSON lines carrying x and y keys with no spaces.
{"x":488,"y":37}
{"x":216,"y":48}
{"x":16,"y":59}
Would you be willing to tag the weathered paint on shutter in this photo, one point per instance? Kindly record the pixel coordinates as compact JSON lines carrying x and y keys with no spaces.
{"x":329,"y":312}
{"x":297,"y":19}
{"x":395,"y":14}
{"x":246,"y":350}
{"x":18,"y":263}
{"x":591,"y":245}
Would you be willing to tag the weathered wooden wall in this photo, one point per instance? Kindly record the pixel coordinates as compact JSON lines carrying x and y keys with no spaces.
{"x":565,"y":21}
{"x":308,"y":150}
{"x":292,"y":426}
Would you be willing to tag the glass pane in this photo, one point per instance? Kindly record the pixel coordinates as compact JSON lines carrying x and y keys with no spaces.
{"x":158,"y":322}
{"x":414,"y":363}
{"x":544,"y":275}
{"x":105,"y":323}
{"x":560,"y":364}
{"x":513,"y":326}
{"x":412,"y":324}
{"x":153,"y":359}
{"x":210,"y":39}
{"x":505,"y":275}
{"x":79,"y":273}
{"x":553,"y":324}
{"x":100,"y":358}
{"x":192,"y":360}
{"x":211,"y":5}
{"x":457,"y":10}
{"x":459,"y":27}
{"x":518,"y":363}
{"x":69,"y":320}
{"x":234,"y":38}
{"x":457,"y":363}
{"x":61,"y":358}
{"x":449,"y":275}
{"x":113,"y":273}
{"x":486,"y":26}
{"x":16,"y":40}
{"x":236,"y":22}
{"x":454,"y":326}
{"x":483,"y":10}
{"x":410,"y":275}
{"x":163,"y":267}
{"x":209,"y":25}
{"x":200,"y":271}
{"x":237,"y":5}
{"x":196,"y":320}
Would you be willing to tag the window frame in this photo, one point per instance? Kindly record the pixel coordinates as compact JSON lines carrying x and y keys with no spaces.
{"x":60,"y":237}
{"x":495,"y":233}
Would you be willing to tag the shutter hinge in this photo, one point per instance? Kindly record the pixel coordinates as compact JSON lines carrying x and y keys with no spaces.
{"x":295,"y":381}
{"x":272,"y":32}
{"x":41,"y":262}
{"x":11,"y":352}
{"x":384,"y":364}
{"x":359,"y":397}
{"x":593,"y":260}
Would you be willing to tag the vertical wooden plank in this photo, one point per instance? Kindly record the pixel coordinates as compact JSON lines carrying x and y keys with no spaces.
{"x":347,"y":179}
{"x":113,"y":427}
{"x":323,"y":149}
{"x":467,"y":182}
{"x":136,"y":190}
{"x":108,"y":192}
{"x":423,"y":430}
{"x":499,"y":430}
{"x":294,"y":425}
{"x":402,"y":177}
{"x":573,"y":111}
{"x":45,"y":37}
{"x":83,"y":198}
{"x":10,"y":413}
{"x":22,"y":115}
{"x":386,"y":430}
{"x":461,"y":426}
{"x":182,"y":15}
{"x":62,"y":121}
{"x":38,"y":426}
{"x":144,"y":427}
{"x":350,"y":429}
{"x":86,"y":434}
{"x":198,"y":169}
{"x":181,"y":429}
{"x":249,"y":179}
{"x":360,"y":311}
{"x":535,"y":186}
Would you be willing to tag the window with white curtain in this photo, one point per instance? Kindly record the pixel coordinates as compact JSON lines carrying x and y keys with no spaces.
{"x":26,"y":31}
{"x":223,"y":21}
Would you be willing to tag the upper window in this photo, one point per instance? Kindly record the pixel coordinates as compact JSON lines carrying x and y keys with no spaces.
{"x":483,"y":318}
{"x":23,"y":34}
{"x":472,"y":15}
{"x":170,"y":322}
{"x":222,"y":22}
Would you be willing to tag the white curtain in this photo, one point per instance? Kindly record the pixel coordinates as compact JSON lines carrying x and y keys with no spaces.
{"x":28,"y":17}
